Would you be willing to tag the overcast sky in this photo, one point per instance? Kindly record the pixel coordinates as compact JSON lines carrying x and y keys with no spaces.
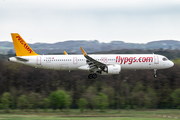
{"x":49,"y":21}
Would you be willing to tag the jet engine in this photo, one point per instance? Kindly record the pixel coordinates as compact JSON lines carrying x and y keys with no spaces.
{"x":111,"y":69}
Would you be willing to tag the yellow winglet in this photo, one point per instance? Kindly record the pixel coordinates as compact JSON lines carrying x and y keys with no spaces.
{"x":65,"y":53}
{"x":84,"y":53}
{"x":21,"y":47}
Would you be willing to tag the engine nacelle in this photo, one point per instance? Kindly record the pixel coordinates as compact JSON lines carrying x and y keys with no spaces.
{"x":112,"y":69}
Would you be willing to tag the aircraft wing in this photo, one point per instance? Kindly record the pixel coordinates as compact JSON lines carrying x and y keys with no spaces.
{"x":92,"y":62}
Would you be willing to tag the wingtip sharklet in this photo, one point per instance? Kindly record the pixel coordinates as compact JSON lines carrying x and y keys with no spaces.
{"x":65,"y":52}
{"x":84,"y":53}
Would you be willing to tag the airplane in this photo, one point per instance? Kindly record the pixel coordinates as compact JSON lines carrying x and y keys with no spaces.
{"x":103,"y":64}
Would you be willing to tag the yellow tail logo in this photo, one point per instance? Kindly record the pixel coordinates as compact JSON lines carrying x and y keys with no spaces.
{"x":21,"y":47}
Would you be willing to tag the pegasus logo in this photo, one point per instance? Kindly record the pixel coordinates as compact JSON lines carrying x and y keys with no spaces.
{"x":24,"y":44}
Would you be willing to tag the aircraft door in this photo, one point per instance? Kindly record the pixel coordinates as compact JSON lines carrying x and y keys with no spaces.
{"x":38,"y":60}
{"x":75,"y":60}
{"x":156,"y":60}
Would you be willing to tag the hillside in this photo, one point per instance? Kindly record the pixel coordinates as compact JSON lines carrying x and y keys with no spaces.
{"x":92,"y":46}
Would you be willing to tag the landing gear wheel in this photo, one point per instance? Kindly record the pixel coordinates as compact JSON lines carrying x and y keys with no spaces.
{"x":90,"y":76}
{"x":155,"y":76}
{"x":94,"y":75}
{"x":155,"y":73}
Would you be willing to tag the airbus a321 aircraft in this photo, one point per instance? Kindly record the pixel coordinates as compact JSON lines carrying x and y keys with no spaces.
{"x":106,"y":64}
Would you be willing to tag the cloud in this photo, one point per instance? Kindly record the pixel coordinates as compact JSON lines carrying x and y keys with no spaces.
{"x":104,"y":20}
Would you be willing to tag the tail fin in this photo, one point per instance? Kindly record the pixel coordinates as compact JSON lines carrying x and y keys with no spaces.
{"x":21,"y":47}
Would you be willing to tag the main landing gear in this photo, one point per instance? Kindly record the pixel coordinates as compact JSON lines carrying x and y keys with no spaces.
{"x":92,"y":76}
{"x":155,"y":73}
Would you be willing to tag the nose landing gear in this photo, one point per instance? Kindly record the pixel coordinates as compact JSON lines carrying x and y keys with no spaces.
{"x":155,"y":73}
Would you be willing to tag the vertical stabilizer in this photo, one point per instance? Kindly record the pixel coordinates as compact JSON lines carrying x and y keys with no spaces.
{"x":21,"y":47}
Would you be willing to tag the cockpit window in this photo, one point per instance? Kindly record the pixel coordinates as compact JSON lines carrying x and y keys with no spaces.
{"x":164,"y":59}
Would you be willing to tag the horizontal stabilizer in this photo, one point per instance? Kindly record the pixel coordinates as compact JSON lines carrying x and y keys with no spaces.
{"x":22,"y":59}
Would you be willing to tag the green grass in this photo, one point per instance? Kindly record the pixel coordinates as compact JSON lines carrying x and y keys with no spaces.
{"x":90,"y":115}
{"x":23,"y":117}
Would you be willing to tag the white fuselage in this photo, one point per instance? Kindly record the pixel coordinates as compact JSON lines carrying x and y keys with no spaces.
{"x":76,"y":62}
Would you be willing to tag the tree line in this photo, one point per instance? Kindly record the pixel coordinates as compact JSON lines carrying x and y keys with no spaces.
{"x":56,"y":100}
{"x":26,"y":88}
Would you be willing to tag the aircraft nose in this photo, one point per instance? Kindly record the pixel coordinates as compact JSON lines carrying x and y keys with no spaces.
{"x":171,"y":64}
